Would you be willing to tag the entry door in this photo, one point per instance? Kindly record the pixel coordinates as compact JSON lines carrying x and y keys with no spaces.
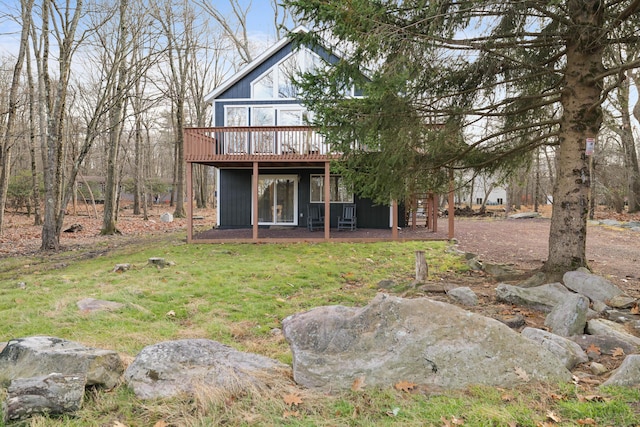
{"x":277,"y":199}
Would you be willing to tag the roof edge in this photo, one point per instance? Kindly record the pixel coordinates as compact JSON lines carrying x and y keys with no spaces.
{"x":252,"y":65}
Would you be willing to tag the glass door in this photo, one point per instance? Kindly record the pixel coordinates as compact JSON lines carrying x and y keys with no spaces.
{"x":277,"y":200}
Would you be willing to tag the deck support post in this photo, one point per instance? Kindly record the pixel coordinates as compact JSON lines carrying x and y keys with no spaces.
{"x":189,"y":202}
{"x":451,"y":211}
{"x":254,"y":213}
{"x":394,"y":219}
{"x":327,"y":200}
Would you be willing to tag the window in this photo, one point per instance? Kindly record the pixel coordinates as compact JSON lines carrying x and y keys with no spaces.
{"x":339,"y":192}
{"x":479,"y":201}
{"x":263,"y":142}
{"x":236,"y":142}
{"x":263,"y":87}
{"x":278,"y":81}
{"x":500,"y":201}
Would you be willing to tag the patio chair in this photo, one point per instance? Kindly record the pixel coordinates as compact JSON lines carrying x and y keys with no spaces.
{"x":348,"y":219}
{"x":315,"y":217}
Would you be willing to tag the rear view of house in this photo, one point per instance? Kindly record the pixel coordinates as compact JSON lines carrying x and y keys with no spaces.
{"x":273,"y":170}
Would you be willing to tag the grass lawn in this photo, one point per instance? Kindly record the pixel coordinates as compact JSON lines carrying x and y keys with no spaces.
{"x":238,"y":295}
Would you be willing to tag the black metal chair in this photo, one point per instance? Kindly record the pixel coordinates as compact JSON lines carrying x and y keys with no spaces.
{"x":348,"y":219}
{"x":315,"y":217}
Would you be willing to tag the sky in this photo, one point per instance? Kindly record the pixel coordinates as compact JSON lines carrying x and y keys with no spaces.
{"x":259,"y":22}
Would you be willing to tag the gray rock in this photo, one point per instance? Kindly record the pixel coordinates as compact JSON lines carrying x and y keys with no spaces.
{"x":464,"y":295}
{"x":622,"y":317}
{"x":569,"y":352}
{"x":121,"y":268}
{"x":594,"y":287}
{"x":611,"y":329}
{"x":166,"y":217}
{"x":419,"y":340}
{"x":499,"y":271}
{"x":599,"y":306}
{"x":569,"y":316}
{"x":611,"y":222}
{"x":40,"y":355}
{"x":387,"y":284}
{"x":90,"y":305}
{"x":631,"y":224}
{"x":598,"y":368}
{"x":542,"y":298}
{"x":605,"y":344}
{"x":525,"y":215}
{"x":51,"y":394}
{"x":628,"y":374}
{"x":621,"y":301}
{"x":533,"y":281}
{"x":513,"y":321}
{"x":475,"y":264}
{"x":193,"y":366}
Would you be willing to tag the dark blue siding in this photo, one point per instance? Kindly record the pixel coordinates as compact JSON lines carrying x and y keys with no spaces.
{"x":235,"y":198}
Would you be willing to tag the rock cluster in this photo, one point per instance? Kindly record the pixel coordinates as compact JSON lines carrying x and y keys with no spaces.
{"x":390,"y":340}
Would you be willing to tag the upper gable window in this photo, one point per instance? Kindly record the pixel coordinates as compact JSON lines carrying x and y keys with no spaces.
{"x":278,"y":81}
{"x":263,"y":87}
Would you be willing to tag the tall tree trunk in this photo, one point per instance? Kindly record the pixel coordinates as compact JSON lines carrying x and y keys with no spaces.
{"x":116,"y":116}
{"x":32,"y":145}
{"x":631,"y":155}
{"x":26,"y":7}
{"x":567,"y":237}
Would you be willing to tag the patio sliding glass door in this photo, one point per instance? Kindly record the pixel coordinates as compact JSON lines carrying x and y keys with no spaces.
{"x":277,"y":200}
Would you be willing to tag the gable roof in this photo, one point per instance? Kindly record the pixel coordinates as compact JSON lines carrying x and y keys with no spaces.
{"x":236,"y":77}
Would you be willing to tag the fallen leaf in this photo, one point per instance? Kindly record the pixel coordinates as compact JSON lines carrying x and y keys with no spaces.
{"x":118,"y":424}
{"x":557,"y":396}
{"x":454,"y":421}
{"x":593,"y":398}
{"x":287,"y":414}
{"x":635,"y":309}
{"x":507,"y":397}
{"x":171,"y":313}
{"x":292,"y":399}
{"x":586,"y":422}
{"x":358,"y":384}
{"x":593,"y":349}
{"x":160,"y":423}
{"x":405,"y":386}
{"x":617,"y":352}
{"x":553,"y":417}
{"x":522,"y":374}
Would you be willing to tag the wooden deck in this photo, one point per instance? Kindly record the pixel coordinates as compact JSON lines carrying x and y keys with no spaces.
{"x":265,"y":144}
{"x":301,"y":234}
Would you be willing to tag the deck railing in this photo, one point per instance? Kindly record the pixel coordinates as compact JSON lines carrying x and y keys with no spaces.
{"x":202,"y":144}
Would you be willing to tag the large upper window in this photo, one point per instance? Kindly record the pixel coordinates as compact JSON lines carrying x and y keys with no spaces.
{"x":339,"y":192}
{"x":278,"y":81}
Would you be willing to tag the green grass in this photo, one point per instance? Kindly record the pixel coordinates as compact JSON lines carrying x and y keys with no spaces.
{"x":237,"y":294}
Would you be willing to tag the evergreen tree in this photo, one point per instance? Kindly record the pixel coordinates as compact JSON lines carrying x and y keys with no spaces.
{"x":468,"y":83}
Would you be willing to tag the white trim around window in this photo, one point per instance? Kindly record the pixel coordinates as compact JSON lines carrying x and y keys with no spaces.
{"x":338,"y":193}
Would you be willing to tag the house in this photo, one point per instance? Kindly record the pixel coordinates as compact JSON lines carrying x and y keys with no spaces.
{"x":273,"y":170}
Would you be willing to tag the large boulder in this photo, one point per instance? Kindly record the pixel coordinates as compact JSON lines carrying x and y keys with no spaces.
{"x":542,"y":298}
{"x":569,"y":317}
{"x":51,"y":394}
{"x":41,"y":355}
{"x":611,"y":329}
{"x":192,"y":366}
{"x":627,"y":374}
{"x":419,"y":340}
{"x":569,"y":352}
{"x":594,"y":287}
